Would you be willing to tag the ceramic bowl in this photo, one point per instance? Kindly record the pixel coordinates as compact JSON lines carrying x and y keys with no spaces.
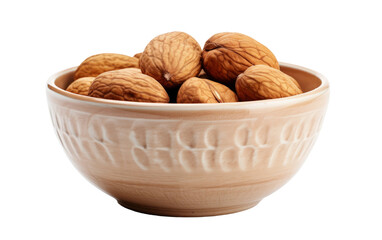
{"x":189,"y":159}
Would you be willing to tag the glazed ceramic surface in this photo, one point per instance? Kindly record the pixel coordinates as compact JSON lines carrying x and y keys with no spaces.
{"x":189,"y":159}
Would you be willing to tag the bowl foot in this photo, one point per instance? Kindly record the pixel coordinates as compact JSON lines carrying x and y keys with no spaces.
{"x":173,"y":212}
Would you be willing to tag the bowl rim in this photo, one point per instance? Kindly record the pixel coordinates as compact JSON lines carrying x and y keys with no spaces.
{"x":306,"y":96}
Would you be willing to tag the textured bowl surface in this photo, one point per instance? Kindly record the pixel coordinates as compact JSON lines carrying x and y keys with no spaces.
{"x":189,"y":159}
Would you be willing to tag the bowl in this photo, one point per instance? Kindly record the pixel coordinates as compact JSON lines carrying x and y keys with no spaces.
{"x":189,"y":159}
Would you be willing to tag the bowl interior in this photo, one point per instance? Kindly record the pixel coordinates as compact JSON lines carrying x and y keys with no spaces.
{"x":64,"y":80}
{"x":307,"y":80}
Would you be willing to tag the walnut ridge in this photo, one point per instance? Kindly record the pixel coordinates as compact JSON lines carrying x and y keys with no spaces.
{"x":171,"y":58}
{"x":199,"y":90}
{"x":97,"y":64}
{"x":128,"y":84}
{"x":138,"y":55}
{"x":264,"y":82}
{"x":81,"y":85}
{"x":226,"y":55}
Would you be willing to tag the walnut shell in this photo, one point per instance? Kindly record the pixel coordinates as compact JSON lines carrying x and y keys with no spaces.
{"x":226,"y":55}
{"x":264,"y":82}
{"x":97,"y":64}
{"x":199,"y":90}
{"x":81,"y":85}
{"x":128,"y":84}
{"x":138,"y":55}
{"x":171,"y":58}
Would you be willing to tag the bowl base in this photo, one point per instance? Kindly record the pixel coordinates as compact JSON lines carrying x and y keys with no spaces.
{"x":173,"y":212}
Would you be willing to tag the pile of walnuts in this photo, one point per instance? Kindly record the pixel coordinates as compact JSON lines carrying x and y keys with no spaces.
{"x":231,"y":67}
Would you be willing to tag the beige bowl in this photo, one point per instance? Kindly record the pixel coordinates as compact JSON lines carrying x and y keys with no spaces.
{"x":189,"y":159}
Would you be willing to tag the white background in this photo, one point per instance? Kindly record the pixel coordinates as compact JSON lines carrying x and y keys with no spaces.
{"x":335,"y":195}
